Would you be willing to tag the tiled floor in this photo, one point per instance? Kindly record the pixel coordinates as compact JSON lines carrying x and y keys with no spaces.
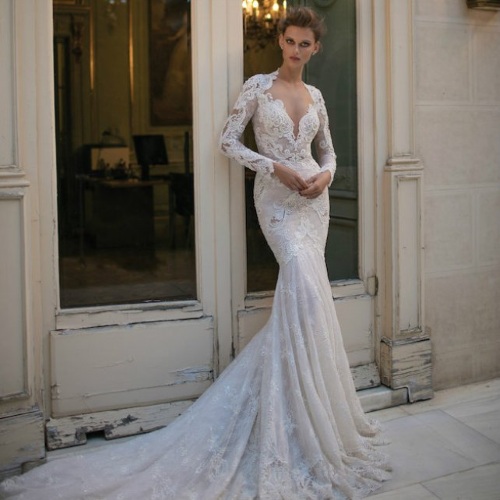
{"x":447,"y":447}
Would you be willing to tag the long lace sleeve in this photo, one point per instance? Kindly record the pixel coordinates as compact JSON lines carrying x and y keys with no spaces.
{"x":230,"y":140}
{"x":327,"y":158}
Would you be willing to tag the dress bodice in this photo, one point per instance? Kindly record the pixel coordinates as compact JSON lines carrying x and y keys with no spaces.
{"x":274,"y":130}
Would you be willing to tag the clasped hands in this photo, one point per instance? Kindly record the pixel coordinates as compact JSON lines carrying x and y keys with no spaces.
{"x":308,"y":188}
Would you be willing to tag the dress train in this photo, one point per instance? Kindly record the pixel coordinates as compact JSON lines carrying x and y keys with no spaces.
{"x":282,"y":421}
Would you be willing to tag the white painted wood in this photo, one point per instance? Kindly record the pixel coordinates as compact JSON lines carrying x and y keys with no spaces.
{"x":400,"y":303}
{"x":356,"y":321}
{"x":410,"y":251}
{"x":125,"y":314}
{"x":408,"y":363}
{"x":47,"y":266}
{"x":7,"y":96}
{"x":221,"y":234}
{"x":404,"y":313}
{"x":403,"y":217}
{"x":367,"y":186}
{"x":237,"y":178}
{"x":404,"y":252}
{"x":72,"y":431}
{"x":21,"y":420}
{"x":21,"y":442}
{"x":106,"y":368}
{"x":381,"y":140}
{"x":14,"y":340}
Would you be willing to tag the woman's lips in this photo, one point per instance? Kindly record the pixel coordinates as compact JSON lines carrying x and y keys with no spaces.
{"x":293,"y":58}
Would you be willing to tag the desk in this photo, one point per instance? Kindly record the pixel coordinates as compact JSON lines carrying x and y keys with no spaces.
{"x":119,"y":213}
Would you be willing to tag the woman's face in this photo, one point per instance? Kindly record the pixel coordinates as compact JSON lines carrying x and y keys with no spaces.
{"x":298,"y":45}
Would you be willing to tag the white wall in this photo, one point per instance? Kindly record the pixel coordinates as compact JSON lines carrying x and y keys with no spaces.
{"x":457,"y":90}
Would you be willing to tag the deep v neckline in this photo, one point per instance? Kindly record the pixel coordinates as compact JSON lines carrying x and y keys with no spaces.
{"x":296,"y":127}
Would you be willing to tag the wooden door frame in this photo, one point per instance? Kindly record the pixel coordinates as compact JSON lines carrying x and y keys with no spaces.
{"x":211,"y":312}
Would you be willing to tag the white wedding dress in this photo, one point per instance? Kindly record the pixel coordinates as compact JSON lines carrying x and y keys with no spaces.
{"x":283,"y":420}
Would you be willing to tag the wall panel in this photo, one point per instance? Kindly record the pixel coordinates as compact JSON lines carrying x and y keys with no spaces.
{"x":13,"y":341}
{"x":104,"y":368}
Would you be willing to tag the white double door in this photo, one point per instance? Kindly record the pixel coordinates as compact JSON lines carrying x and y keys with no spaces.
{"x":126,"y":369}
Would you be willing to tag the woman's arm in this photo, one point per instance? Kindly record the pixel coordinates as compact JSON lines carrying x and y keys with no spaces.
{"x":230,"y":140}
{"x":325,"y":152}
{"x":323,"y":141}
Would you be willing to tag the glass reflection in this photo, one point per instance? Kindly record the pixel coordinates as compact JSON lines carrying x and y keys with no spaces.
{"x":124,"y":169}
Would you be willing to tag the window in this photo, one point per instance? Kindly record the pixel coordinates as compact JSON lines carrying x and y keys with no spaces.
{"x":124,"y":152}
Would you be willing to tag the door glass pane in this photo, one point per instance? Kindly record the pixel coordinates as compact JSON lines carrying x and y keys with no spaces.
{"x":333,"y":71}
{"x":261,"y":55}
{"x":124,"y":151}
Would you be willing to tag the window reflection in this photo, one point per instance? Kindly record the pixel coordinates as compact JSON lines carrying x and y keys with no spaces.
{"x":124,"y":153}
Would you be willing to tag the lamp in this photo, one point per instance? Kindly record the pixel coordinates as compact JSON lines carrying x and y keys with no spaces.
{"x":260,"y":20}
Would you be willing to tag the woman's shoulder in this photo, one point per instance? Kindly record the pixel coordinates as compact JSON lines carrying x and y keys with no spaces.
{"x":260,"y":81}
{"x":315,"y":93}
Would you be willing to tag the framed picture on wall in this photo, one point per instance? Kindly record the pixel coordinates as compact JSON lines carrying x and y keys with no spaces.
{"x":170,"y":62}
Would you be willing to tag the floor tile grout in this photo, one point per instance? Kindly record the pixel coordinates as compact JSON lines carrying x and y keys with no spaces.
{"x":448,"y":403}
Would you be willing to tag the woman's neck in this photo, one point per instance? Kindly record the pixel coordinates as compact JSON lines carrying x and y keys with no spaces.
{"x":290,"y":76}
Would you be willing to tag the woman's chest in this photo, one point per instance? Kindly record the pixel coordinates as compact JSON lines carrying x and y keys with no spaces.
{"x":271,"y":118}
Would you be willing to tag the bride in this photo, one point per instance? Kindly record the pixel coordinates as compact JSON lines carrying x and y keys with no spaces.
{"x":283,"y":420}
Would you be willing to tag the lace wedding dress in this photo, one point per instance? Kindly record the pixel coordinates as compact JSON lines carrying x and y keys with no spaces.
{"x":283,"y":420}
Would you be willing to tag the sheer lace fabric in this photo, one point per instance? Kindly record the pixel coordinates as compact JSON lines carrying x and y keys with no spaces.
{"x":274,"y":131}
{"x":283,"y":420}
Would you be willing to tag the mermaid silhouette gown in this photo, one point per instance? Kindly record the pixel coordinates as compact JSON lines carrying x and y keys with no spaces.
{"x":283,"y":420}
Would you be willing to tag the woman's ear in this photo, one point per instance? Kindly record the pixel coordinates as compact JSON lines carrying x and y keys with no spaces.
{"x":281,"y":41}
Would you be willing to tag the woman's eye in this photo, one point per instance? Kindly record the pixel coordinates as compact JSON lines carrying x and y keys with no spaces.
{"x":289,"y":41}
{"x":305,"y":44}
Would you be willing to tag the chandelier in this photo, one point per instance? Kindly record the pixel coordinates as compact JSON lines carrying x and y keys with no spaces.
{"x":111,"y":12}
{"x":260,"y":21}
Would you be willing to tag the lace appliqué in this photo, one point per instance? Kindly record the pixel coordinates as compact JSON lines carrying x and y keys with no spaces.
{"x":274,"y":130}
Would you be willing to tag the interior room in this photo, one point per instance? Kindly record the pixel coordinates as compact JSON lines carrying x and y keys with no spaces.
{"x":124,"y":140}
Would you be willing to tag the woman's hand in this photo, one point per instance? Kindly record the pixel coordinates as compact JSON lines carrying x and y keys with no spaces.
{"x":316,"y":185}
{"x":291,"y":179}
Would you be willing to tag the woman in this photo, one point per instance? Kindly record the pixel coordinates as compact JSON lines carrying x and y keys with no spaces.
{"x":283,"y":420}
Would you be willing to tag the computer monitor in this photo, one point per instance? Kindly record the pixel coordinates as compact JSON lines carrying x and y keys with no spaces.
{"x":150,"y":150}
